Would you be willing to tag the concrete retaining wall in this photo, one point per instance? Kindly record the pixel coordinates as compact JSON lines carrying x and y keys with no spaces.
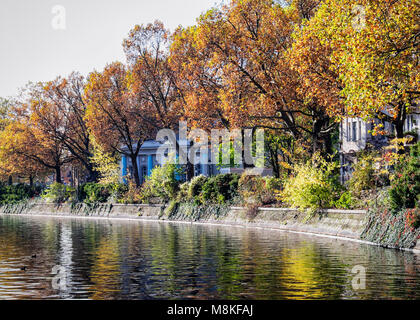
{"x":340,"y":223}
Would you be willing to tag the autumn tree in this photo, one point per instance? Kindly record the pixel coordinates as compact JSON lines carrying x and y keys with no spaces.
{"x":106,"y":163}
{"x":27,"y":148}
{"x":241,"y":52}
{"x":4,"y":119}
{"x":114,"y":117}
{"x":4,"y":113}
{"x":153,"y":86}
{"x":155,"y":89}
{"x":61,"y":118}
{"x":198,"y":80}
{"x":373,"y":46}
{"x":25,"y":151}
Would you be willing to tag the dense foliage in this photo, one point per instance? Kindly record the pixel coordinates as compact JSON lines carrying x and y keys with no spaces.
{"x":294,"y":68}
{"x":16,"y":193}
{"x":59,"y":193}
{"x":312,"y":186}
{"x":405,"y":190}
{"x":162,"y":183}
{"x":95,"y":192}
{"x":363,"y":176}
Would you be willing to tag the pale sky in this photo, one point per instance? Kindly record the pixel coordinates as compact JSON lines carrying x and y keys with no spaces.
{"x":32,"y":50}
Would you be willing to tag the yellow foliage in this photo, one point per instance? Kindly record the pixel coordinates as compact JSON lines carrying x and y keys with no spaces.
{"x":105,"y":163}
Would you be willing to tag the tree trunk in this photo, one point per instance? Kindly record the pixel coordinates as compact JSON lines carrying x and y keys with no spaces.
{"x":58,"y":174}
{"x":189,"y":167}
{"x":10,"y":182}
{"x":92,"y":175}
{"x":190,"y":170}
{"x":31,"y":181}
{"x":316,"y":129}
{"x":399,"y":128}
{"x":399,"y":125}
{"x":136,"y":174}
{"x":274,"y":160}
{"x":328,"y":147}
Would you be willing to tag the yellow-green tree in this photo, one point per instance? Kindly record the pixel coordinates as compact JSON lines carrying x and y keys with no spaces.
{"x":373,"y":47}
{"x":105,"y":163}
{"x":115,"y":119}
{"x":236,"y":71}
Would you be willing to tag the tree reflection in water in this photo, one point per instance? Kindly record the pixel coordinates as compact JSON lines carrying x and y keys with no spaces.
{"x":109,"y":259}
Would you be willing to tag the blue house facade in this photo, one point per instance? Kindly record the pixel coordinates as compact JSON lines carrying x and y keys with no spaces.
{"x":147,"y":160}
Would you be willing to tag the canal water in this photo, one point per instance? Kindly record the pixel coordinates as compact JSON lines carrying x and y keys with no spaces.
{"x":113,"y":259}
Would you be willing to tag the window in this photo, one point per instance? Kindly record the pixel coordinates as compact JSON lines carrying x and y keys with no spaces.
{"x":348,"y":131}
{"x":360,"y":130}
{"x":354,"y":131}
{"x":197,"y":170}
{"x":410,"y":123}
{"x":143,"y":173}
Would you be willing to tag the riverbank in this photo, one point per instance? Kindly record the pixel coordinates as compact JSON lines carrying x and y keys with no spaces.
{"x":340,"y":224}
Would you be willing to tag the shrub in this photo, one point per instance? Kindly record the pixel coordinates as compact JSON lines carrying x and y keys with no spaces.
{"x":162,"y":183}
{"x":273,"y":184}
{"x":93,"y":192}
{"x":345,"y":201}
{"x":363,"y":177}
{"x":257,"y":189}
{"x":220,"y":189}
{"x":210,"y":191}
{"x":195,"y":187}
{"x":16,"y":193}
{"x":59,"y":193}
{"x":183,"y":191}
{"x":96,"y":192}
{"x":405,"y":185}
{"x":312,"y":186}
{"x":133,"y":195}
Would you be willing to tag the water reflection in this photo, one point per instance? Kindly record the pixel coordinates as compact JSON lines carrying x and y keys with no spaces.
{"x":149,"y":260}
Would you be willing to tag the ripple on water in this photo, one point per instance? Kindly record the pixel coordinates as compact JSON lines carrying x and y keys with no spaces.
{"x":152,"y":260}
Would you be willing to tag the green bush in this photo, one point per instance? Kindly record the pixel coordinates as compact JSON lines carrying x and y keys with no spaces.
{"x":312,"y":186}
{"x":195,"y":187}
{"x":405,"y":184}
{"x":100,"y":193}
{"x":220,"y":189}
{"x":273,"y":184}
{"x":161,"y":184}
{"x":363,"y":176}
{"x":93,"y":192}
{"x":16,"y":193}
{"x":117,"y":190}
{"x":345,"y":201}
{"x":59,"y":193}
{"x":183,"y":191}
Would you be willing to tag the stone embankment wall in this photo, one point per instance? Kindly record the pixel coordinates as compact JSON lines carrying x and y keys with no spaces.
{"x":346,"y":224}
{"x":339,"y":223}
